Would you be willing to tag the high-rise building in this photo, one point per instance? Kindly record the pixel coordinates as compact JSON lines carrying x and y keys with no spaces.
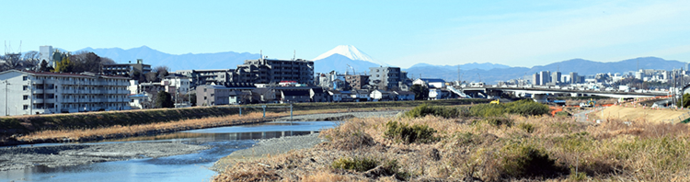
{"x":556,"y":78}
{"x":574,"y":78}
{"x":535,"y":79}
{"x":544,"y":77}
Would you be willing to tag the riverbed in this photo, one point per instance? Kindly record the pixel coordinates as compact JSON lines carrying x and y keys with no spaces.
{"x":182,"y":156}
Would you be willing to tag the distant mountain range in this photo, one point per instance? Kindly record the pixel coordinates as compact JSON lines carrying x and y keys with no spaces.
{"x":581,"y":66}
{"x":468,"y":66}
{"x":221,"y":60}
{"x":345,"y":57}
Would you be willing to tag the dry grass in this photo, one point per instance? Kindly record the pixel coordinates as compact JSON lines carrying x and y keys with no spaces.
{"x":538,"y":148}
{"x":639,"y":113}
{"x":118,"y":131}
{"x":144,"y":129}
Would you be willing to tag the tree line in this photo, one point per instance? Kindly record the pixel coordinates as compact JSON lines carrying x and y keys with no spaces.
{"x":82,"y":61}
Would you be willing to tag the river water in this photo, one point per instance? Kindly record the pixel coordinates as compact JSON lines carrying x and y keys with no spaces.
{"x":188,"y":167}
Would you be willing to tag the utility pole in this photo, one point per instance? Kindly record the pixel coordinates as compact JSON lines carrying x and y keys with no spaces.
{"x":6,"y":98}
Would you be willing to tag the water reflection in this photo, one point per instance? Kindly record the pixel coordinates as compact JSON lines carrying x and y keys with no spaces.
{"x":189,"y":167}
{"x":205,"y":137}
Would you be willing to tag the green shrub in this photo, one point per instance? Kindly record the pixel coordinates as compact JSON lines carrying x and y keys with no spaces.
{"x":522,"y":107}
{"x":357,"y":164}
{"x":499,"y":121}
{"x":529,"y":128}
{"x":425,"y":109}
{"x":524,"y":160}
{"x":465,"y":138}
{"x":562,"y":113}
{"x":409,"y":134}
{"x":527,"y":107}
{"x":487,"y":110}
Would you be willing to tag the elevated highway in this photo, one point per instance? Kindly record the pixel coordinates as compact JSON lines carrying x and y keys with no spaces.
{"x":523,"y":92}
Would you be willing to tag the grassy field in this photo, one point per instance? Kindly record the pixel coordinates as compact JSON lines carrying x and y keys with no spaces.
{"x":503,"y":146}
{"x":92,"y":126}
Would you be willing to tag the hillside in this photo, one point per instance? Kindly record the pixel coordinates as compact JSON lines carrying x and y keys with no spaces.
{"x":175,"y":62}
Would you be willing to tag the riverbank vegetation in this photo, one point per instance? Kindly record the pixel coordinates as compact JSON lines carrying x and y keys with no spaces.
{"x":15,"y":129}
{"x":503,"y":145}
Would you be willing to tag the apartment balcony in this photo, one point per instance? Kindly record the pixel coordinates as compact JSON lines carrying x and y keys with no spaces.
{"x":67,"y":82}
{"x":49,"y":100}
{"x":49,"y":91}
{"x":37,"y":91}
{"x":116,"y":100}
{"x":95,"y":100}
{"x":36,"y":101}
{"x":46,"y":81}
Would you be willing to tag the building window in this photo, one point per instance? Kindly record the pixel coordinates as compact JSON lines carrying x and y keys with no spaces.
{"x":26,"y":107}
{"x":26,"y":87}
{"x":25,"y":78}
{"x":26,"y":97}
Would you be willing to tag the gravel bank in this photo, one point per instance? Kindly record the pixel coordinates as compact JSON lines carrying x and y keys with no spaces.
{"x":339,"y":116}
{"x":268,"y":147}
{"x":274,"y":146}
{"x":18,"y":158}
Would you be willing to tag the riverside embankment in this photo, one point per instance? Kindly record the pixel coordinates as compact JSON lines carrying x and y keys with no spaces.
{"x":82,"y":127}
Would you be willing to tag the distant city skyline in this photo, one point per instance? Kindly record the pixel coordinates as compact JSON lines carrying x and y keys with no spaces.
{"x":400,"y":33}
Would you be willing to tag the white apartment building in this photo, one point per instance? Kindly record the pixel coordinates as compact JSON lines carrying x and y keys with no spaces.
{"x":171,"y":84}
{"x":177,"y":84}
{"x":29,"y":92}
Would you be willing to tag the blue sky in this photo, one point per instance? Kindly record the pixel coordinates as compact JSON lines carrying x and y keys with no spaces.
{"x":400,"y":33}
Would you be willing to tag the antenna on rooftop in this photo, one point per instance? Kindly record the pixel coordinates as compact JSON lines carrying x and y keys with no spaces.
{"x":294,"y":54}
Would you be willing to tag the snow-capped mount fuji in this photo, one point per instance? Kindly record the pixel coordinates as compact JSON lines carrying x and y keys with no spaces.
{"x":338,"y":59}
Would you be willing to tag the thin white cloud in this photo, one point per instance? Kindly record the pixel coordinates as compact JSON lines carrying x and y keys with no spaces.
{"x":524,"y":40}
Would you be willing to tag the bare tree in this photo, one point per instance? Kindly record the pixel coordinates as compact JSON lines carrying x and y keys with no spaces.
{"x":161,"y":72}
{"x":10,"y":61}
{"x":151,"y":77}
{"x":105,"y":60}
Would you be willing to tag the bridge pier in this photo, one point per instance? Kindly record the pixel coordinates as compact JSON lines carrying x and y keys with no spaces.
{"x":541,"y":98}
